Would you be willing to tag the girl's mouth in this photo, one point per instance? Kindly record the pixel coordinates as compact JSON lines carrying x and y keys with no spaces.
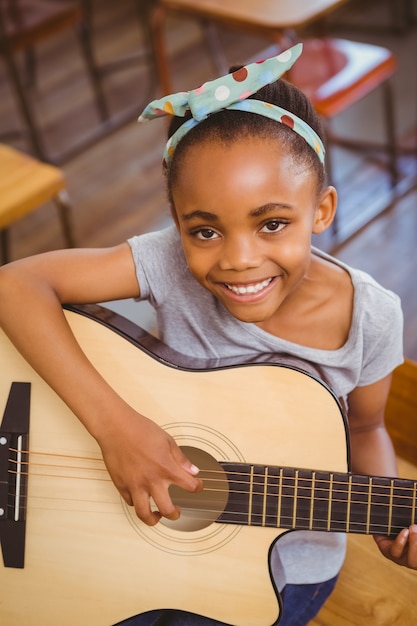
{"x":253,"y":288}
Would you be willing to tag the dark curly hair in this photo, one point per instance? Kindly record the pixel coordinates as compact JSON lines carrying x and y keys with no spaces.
{"x":226,"y":126}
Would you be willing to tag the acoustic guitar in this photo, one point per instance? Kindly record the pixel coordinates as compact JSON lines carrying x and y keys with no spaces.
{"x":271,"y":443}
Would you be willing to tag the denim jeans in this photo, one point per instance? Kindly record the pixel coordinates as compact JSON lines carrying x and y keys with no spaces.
{"x":301,"y":603}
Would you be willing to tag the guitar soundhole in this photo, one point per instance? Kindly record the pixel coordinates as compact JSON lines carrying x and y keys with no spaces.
{"x":199,"y":510}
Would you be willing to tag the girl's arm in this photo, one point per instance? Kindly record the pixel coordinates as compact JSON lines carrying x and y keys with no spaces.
{"x":372,"y":453}
{"x":141,"y":458}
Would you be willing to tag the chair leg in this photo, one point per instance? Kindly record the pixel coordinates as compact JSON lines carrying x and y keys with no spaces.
{"x":64,"y":206}
{"x":156,"y":26}
{"x":30,"y":68}
{"x":4,"y":242}
{"x":85,"y":37}
{"x":211,"y":35}
{"x":391,"y":134}
{"x":144,"y":10}
{"x":23,"y":101}
{"x":401,"y":15}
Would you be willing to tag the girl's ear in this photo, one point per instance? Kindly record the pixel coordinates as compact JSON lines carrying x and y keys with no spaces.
{"x":325,"y":211}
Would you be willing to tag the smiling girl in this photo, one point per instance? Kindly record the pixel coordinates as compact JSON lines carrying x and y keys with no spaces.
{"x":234,"y":276}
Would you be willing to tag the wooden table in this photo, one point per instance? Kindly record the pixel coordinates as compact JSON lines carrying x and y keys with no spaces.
{"x":273,"y":19}
{"x":264,"y":14}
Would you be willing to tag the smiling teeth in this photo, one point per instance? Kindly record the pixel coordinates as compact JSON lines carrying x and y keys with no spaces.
{"x":249,"y":288}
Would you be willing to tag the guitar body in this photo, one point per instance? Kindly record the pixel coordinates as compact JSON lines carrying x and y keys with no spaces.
{"x":88,"y":559}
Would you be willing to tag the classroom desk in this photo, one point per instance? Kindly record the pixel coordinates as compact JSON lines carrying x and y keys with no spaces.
{"x":273,"y":19}
{"x":265,"y":14}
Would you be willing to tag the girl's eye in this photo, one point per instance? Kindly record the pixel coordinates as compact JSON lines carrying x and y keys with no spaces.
{"x":273,"y":226}
{"x":205,"y":234}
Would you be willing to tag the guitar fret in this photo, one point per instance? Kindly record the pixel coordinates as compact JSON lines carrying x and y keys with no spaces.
{"x":250,"y":496}
{"x":313,"y":482}
{"x":413,"y":515}
{"x":297,"y":498}
{"x":329,"y":513}
{"x":402,"y":501}
{"x":368,"y":513}
{"x":359,"y":504}
{"x":349,"y":503}
{"x":287,"y":498}
{"x":320,"y":501}
{"x":391,"y":499}
{"x":307,"y":495}
{"x":279,"y":509}
{"x":265,"y":497}
{"x":261,"y":496}
{"x":294,"y":508}
{"x":338,"y":512}
{"x":379,"y":502}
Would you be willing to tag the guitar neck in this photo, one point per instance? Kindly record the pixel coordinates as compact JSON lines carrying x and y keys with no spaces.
{"x":316,"y":500}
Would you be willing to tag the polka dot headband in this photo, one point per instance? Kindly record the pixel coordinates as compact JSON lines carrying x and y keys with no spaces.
{"x":231,"y":92}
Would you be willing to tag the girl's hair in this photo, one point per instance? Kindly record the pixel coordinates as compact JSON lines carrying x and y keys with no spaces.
{"x":226,"y":126}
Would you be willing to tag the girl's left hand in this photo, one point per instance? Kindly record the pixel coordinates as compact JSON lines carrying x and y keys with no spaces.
{"x":403,"y":549}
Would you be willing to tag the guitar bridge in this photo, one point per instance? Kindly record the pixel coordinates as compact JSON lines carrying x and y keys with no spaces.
{"x":14,"y":440}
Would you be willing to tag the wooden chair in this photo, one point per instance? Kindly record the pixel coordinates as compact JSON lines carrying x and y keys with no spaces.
{"x":371,"y":590}
{"x":335,"y":73}
{"x":24,"y":24}
{"x":401,"y":414}
{"x":25,"y":185}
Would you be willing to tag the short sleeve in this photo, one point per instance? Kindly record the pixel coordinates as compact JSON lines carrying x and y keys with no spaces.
{"x":382,"y":333}
{"x":154,"y":254}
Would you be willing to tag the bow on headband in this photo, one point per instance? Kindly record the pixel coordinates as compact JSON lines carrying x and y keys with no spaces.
{"x":232,"y":92}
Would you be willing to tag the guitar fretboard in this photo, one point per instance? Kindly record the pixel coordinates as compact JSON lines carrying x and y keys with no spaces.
{"x":282,"y":497}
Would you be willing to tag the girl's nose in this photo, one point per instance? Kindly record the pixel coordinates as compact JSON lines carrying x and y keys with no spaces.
{"x":240,"y":253}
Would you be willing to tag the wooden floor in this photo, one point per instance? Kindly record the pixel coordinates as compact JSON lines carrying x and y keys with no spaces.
{"x":116,"y":185}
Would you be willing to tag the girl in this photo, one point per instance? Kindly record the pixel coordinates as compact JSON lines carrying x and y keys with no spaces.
{"x":235,"y":276}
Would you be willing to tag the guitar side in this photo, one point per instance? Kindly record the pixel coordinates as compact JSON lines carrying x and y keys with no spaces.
{"x":88,"y":559}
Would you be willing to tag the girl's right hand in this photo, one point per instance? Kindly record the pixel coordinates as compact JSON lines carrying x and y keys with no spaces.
{"x":143,"y":461}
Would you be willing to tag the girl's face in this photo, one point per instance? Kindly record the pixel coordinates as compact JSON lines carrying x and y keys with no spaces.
{"x":245,"y":212}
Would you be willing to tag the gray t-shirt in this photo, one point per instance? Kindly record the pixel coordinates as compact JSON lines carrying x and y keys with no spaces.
{"x":194,"y":323}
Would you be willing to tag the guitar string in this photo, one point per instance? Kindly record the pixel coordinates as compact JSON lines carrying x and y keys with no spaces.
{"x":379,"y":518}
{"x":281,"y":494}
{"x":278,"y":496}
{"x":222,"y":475}
{"x":284,"y":481}
{"x":271,"y":519}
{"x":286,"y":520}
